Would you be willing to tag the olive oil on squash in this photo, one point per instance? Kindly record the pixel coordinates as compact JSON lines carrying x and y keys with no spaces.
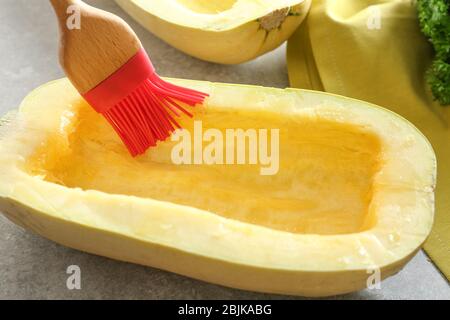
{"x":323,"y":185}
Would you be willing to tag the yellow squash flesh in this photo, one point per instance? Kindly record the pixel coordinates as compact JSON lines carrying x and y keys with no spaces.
{"x":354,"y":190}
{"x":222,"y":31}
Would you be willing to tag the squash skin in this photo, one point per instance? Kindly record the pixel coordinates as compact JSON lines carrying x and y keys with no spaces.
{"x":115,"y":246}
{"x":33,"y":212}
{"x":239,"y":44}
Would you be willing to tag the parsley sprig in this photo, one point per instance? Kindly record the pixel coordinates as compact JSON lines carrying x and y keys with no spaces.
{"x":434,"y":16}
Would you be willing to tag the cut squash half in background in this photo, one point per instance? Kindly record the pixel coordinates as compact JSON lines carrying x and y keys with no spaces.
{"x":222,"y":31}
{"x":354,"y":191}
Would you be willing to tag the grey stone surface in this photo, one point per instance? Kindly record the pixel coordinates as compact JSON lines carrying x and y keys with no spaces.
{"x":34,"y":268}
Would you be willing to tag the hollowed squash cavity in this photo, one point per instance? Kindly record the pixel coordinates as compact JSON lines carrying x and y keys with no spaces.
{"x":208,"y":6}
{"x":323,"y":184}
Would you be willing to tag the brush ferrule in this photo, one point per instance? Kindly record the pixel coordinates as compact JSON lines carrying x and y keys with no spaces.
{"x":121,"y":83}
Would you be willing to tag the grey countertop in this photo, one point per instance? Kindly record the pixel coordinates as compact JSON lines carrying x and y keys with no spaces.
{"x":34,"y":268}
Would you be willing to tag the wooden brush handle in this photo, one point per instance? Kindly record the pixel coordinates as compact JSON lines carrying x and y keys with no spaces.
{"x":61,"y":6}
{"x":102,"y":44}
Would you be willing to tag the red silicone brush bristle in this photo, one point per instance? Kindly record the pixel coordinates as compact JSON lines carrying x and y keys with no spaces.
{"x":141,"y":106}
{"x":147,"y":115}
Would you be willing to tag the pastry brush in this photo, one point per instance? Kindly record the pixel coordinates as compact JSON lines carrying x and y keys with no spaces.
{"x":107,"y":64}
